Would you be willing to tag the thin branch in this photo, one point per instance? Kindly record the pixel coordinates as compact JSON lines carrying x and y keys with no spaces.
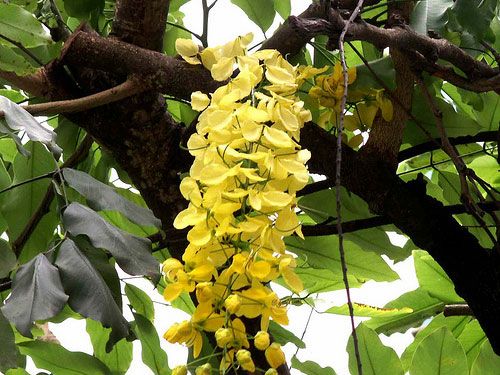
{"x":197,"y":36}
{"x":338,"y":163}
{"x":63,"y":31}
{"x":28,"y":181}
{"x":131,"y":86}
{"x":79,"y":155}
{"x":458,"y":310}
{"x":22,"y":48}
{"x":206,"y":12}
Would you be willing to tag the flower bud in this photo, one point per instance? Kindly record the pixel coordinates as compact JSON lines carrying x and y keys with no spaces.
{"x":244,"y":358}
{"x":204,"y":292}
{"x":271,"y":371}
{"x":232,"y":303}
{"x":261,"y":340}
{"x":223,"y":336}
{"x":274,"y":355}
{"x":206,"y":369}
{"x":180,"y":370}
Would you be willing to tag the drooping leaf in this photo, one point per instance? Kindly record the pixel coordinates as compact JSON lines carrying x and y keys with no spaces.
{"x":471,"y":338}
{"x":261,"y":12}
{"x":365,"y":79}
{"x":152,"y":354}
{"x":17,"y":118}
{"x":422,"y":304}
{"x":283,"y":336}
{"x":376,"y":358}
{"x":322,"y":280}
{"x":430,"y":15}
{"x":103,"y":197}
{"x":8,"y":350}
{"x":475,"y":16}
{"x":60,"y":361}
{"x":120,"y":357}
{"x":283,"y":7}
{"x":432,"y":278}
{"x":368,"y":311}
{"x":37,"y":294}
{"x":487,"y":362}
{"x":140,"y":301}
{"x":10,"y":61}
{"x":19,"y":204}
{"x":7,"y":259}
{"x":322,"y":252}
{"x":20,"y":26}
{"x":132,"y":253}
{"x":456,"y":324}
{"x":311,"y":368}
{"x":91,"y":298}
{"x":439,"y":353}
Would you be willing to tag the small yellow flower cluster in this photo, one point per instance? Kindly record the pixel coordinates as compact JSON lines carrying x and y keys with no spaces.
{"x":329,"y":89}
{"x":241,"y":191}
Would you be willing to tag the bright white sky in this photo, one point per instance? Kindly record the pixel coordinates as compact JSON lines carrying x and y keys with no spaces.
{"x":326,"y":335}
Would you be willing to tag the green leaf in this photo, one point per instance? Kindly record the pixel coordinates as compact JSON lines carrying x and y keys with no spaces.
{"x":172,"y":33}
{"x":368,"y":311}
{"x":322,"y":252}
{"x":82,"y":9}
{"x":471,"y":338}
{"x":103,"y":197}
{"x":432,"y":278}
{"x":20,"y":26}
{"x":283,"y":7}
{"x":311,"y":368}
{"x":60,"y":361}
{"x":17,"y":371}
{"x":184,"y":303}
{"x":140,"y":301}
{"x":8,"y":349}
{"x":261,"y":12}
{"x":430,"y":15}
{"x":37,"y":294}
{"x":11,"y":61}
{"x":68,"y":136}
{"x":475,"y":16}
{"x":487,"y":362}
{"x":133,"y":254}
{"x":422,"y":304}
{"x":376,"y":358}
{"x":91,"y":298}
{"x":319,"y":281}
{"x":19,"y":204}
{"x":118,"y":360}
{"x":7,"y":259}
{"x":365,"y":80}
{"x":456,"y":324}
{"x":439,"y":353}
{"x":152,"y":354}
{"x":283,"y":336}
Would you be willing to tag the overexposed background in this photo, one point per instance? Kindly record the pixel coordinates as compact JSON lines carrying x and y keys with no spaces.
{"x":325,"y":335}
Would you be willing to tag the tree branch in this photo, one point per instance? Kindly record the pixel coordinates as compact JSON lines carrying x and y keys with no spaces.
{"x":458,"y":310}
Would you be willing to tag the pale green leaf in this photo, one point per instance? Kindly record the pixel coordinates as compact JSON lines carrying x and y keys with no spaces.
{"x":261,"y":12}
{"x":19,"y":25}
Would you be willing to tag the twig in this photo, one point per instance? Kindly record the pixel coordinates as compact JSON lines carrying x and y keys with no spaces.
{"x":206,"y":12}
{"x":197,"y":36}
{"x":338,"y":164}
{"x":63,"y":30}
{"x":458,"y":310}
{"x":128,"y":88}
{"x":41,"y":177}
{"x":22,"y":48}
{"x":493,"y":51}
{"x":79,"y":155}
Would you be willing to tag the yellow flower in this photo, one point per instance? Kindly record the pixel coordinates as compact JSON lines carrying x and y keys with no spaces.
{"x":244,"y":358}
{"x":232,"y":303}
{"x":271,"y":371}
{"x":179,"y":370}
{"x":206,"y":369}
{"x":223,"y":337}
{"x":275,"y":356}
{"x":261,"y":340}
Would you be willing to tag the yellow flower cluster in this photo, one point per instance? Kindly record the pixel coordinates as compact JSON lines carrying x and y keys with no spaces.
{"x":241,"y":191}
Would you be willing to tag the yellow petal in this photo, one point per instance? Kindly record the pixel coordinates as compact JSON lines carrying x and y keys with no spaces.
{"x":277,"y":137}
{"x":276,"y":198}
{"x":222,"y":69}
{"x":198,"y":342}
{"x":292,"y":280}
{"x":172,"y":291}
{"x":260,"y":269}
{"x":199,"y":101}
{"x":274,"y":355}
{"x":186,"y":48}
{"x":199,"y":235}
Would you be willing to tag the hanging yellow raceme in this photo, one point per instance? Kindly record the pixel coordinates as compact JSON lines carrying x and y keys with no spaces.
{"x":241,"y":190}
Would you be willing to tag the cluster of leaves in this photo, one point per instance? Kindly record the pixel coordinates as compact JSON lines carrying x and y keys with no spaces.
{"x":67,"y":267}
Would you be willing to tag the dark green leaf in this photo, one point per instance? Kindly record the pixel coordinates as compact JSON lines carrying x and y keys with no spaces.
{"x":120,"y":357}
{"x":311,"y":368}
{"x":17,"y":118}
{"x":133,"y":254}
{"x":422,"y":304}
{"x":475,"y":16}
{"x":456,"y":324}
{"x":283,"y":336}
{"x":365,"y":80}
{"x":439,"y":353}
{"x":152,"y":354}
{"x":140,"y":301}
{"x":8,"y":350}
{"x":7,"y":259}
{"x":323,"y":252}
{"x":430,"y":15}
{"x":103,"y":197}
{"x":68,"y":136}
{"x":37,"y":294}
{"x":376,"y":358}
{"x":487,"y":362}
{"x":261,"y":12}
{"x":91,"y":298}
{"x":11,"y":61}
{"x":17,"y":371}
{"x":82,"y":9}
{"x":432,"y":278}
{"x":20,"y":25}
{"x":60,"y":361}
